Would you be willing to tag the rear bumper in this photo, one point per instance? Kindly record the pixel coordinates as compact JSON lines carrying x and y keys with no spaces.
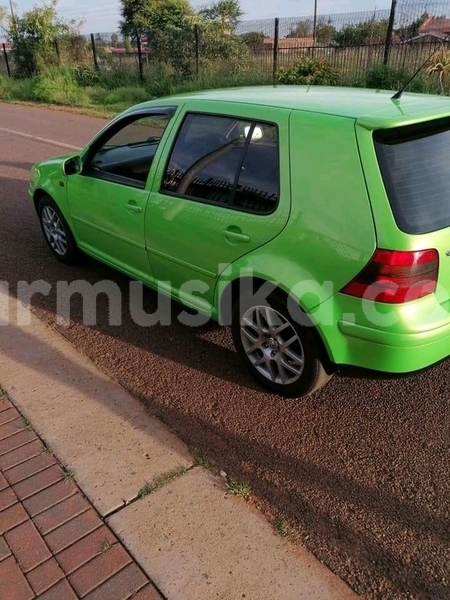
{"x":394,"y":352}
{"x":419,"y":338}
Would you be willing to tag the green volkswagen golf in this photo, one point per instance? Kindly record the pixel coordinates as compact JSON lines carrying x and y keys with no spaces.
{"x":314,"y":221}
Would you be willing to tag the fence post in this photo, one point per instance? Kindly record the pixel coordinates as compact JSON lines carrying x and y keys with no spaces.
{"x":57,"y":50}
{"x":275,"y":48}
{"x":94,"y":52}
{"x":197,"y":51}
{"x":6,"y":60}
{"x":387,"y":46}
{"x":139,"y":49}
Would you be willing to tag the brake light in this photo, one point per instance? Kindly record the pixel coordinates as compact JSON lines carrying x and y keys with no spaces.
{"x":396,"y":277}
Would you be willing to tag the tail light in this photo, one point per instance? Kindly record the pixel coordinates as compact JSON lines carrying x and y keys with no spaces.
{"x":395,"y":277}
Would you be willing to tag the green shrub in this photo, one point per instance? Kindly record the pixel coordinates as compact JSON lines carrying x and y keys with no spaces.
{"x":58,"y":87}
{"x":125,"y":96}
{"x":386,"y":78}
{"x":86,"y":75}
{"x":3,"y":87}
{"x":118,"y":77}
{"x":18,"y":89}
{"x":309,"y":71}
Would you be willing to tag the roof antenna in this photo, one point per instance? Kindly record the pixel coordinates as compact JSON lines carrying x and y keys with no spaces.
{"x":398,"y":95}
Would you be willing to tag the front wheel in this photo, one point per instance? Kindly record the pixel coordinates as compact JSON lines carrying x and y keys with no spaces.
{"x":57,"y":232}
{"x":280,"y":353}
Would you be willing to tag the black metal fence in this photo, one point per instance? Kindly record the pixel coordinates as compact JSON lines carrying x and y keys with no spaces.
{"x":353,"y":43}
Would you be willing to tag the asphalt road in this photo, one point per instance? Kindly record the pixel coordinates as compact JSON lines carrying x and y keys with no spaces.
{"x":360,"y":470}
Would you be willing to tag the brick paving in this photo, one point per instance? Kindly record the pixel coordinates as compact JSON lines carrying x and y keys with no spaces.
{"x":53,"y":543}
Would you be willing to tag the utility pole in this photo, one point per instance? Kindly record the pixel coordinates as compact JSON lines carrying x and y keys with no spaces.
{"x":315,"y":23}
{"x":314,"y":28}
{"x":387,"y":46}
{"x":12,"y":10}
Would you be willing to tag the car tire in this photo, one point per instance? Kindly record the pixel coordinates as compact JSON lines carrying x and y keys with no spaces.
{"x":260,"y":347}
{"x":57,"y":232}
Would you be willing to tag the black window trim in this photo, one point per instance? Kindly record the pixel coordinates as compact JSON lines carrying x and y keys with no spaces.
{"x":253,"y":121}
{"x":115,"y":127}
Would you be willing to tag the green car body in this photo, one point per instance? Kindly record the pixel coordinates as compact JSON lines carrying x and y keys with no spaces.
{"x":333,"y":216}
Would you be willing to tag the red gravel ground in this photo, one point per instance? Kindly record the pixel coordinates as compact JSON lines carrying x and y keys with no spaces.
{"x":53,"y":544}
{"x":360,"y":470}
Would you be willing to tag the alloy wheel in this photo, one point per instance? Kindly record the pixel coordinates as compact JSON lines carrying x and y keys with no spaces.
{"x":272,"y":345}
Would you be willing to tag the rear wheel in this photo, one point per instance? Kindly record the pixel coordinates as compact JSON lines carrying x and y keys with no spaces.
{"x":57,"y":232}
{"x":279,"y":352}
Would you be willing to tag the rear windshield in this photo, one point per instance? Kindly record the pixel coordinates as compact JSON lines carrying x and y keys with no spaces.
{"x":415,"y":165}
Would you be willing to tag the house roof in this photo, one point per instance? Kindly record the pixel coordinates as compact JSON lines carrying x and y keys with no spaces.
{"x":435,"y":26}
{"x":292,"y":42}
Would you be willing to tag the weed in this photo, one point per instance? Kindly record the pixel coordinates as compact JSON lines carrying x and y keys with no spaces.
{"x":160,"y":481}
{"x":106,"y":545}
{"x":285,"y":531}
{"x":48,"y":448}
{"x":201,"y":460}
{"x":27,"y":424}
{"x":69,"y":475}
{"x":238,"y":488}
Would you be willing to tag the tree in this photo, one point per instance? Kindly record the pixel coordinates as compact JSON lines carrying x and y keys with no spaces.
{"x":169,"y":25}
{"x":360,"y":34}
{"x":156,"y":16}
{"x":33,"y":35}
{"x":218,"y":41}
{"x":114,"y":40}
{"x":3,"y":18}
{"x":227,"y":12}
{"x":325,"y":31}
{"x":253,"y":40}
{"x":302,"y":29}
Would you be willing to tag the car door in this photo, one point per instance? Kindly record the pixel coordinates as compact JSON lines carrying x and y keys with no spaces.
{"x":222,"y":192}
{"x":107,"y":200}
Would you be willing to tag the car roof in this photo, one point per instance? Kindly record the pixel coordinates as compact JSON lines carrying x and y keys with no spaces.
{"x":371,"y":108}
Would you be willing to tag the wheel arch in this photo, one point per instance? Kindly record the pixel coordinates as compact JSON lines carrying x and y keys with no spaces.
{"x":230,"y":294}
{"x":38,"y":194}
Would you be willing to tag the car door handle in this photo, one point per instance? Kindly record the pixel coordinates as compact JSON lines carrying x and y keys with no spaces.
{"x":132,"y":207}
{"x":234,"y":234}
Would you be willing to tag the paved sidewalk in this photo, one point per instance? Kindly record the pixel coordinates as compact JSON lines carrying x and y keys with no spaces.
{"x":192,"y":539}
{"x":53,"y":543}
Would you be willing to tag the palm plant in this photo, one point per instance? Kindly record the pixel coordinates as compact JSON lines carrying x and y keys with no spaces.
{"x":440,"y":66}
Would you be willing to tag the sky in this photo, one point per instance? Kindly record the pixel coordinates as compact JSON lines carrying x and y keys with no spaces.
{"x":103,"y":15}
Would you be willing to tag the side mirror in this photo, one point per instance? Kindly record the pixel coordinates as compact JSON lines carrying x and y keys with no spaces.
{"x":72,"y":165}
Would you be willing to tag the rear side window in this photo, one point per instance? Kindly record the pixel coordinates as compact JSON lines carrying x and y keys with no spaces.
{"x":226,"y":161}
{"x":415,"y":165}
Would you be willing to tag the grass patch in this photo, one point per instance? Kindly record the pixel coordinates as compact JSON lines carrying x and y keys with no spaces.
{"x":201,"y":460}
{"x":69,"y":475}
{"x":110,"y":92}
{"x":27,"y":424}
{"x":48,"y":448}
{"x":106,"y":545}
{"x":3,"y":393}
{"x":160,"y":481}
{"x":286,"y":531}
{"x":238,"y":488}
